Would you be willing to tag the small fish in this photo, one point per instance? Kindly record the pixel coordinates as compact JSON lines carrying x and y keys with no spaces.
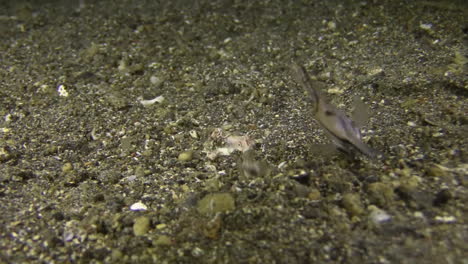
{"x":342,"y":130}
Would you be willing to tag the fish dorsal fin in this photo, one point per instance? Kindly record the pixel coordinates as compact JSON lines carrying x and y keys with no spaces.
{"x":313,"y":87}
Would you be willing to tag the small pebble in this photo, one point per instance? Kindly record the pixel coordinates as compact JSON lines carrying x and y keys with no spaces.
{"x":186,"y":156}
{"x":314,"y":195}
{"x":141,"y":225}
{"x":67,"y":167}
{"x":216,"y":203}
{"x":139,"y":206}
{"x":381,"y":193}
{"x":378,"y":215}
{"x":352,"y":204}
{"x":163,"y":240}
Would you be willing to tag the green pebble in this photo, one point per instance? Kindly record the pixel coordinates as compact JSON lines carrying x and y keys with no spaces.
{"x":381,"y":193}
{"x":186,"y":156}
{"x":141,"y":225}
{"x":410,"y":183}
{"x":163,"y":240}
{"x":67,"y":167}
{"x":215,"y":203}
{"x":116,"y":255}
{"x":438,"y":171}
{"x":352,"y":204}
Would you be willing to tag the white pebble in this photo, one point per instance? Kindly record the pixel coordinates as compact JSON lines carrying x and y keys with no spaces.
{"x":158,"y":99}
{"x":62,"y":91}
{"x":411,"y":124}
{"x":425,"y":26}
{"x":446,"y":219}
{"x":139,"y":206}
{"x":378,"y":215}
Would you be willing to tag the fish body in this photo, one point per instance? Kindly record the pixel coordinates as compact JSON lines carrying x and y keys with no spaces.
{"x":342,"y":130}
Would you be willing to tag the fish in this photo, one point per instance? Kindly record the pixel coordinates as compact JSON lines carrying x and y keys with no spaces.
{"x":342,"y":130}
